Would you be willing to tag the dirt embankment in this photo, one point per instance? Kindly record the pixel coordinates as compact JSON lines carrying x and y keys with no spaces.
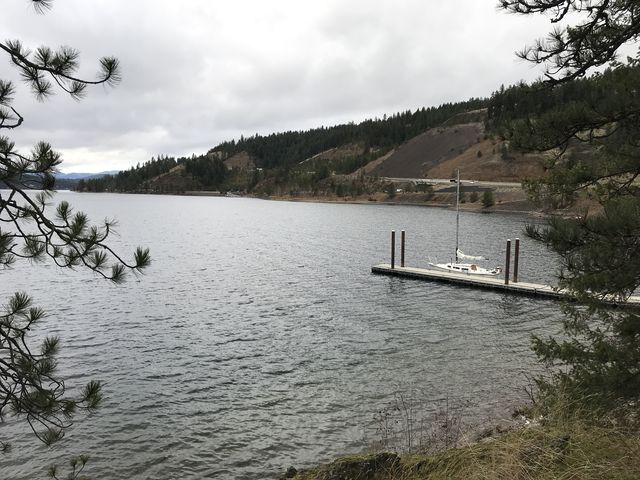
{"x":440,"y":151}
{"x":417,"y":156}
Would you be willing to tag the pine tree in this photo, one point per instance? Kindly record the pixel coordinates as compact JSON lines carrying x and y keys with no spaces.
{"x":29,"y":229}
{"x":596,"y":141}
{"x":487,"y":198}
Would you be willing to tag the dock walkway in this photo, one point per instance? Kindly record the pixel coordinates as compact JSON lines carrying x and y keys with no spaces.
{"x":490,"y":283}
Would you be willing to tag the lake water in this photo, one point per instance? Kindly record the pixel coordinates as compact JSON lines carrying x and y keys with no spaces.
{"x":259,"y":339}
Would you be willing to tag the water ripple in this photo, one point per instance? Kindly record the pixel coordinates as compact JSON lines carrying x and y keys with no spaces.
{"x":257,"y":340}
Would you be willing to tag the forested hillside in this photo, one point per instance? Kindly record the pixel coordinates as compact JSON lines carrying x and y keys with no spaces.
{"x":290,"y":148}
{"x":483,"y":137}
{"x":601,"y":94}
{"x":294,"y":158}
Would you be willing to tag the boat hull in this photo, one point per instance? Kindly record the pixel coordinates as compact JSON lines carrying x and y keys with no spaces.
{"x":466,"y":269}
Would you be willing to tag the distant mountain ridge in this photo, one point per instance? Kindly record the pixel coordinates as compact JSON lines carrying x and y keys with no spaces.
{"x":78,"y":176}
{"x":64,"y":181}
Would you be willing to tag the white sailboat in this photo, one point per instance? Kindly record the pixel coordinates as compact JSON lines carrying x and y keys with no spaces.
{"x":464,"y":263}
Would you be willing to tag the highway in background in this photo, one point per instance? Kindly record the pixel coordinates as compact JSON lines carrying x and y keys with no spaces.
{"x":447,"y":181}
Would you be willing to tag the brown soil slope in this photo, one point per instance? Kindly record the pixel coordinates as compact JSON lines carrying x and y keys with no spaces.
{"x":416,"y":157}
{"x":483,"y":162}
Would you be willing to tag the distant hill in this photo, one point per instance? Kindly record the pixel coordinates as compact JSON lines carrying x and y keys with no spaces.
{"x":364,"y":160}
{"x":78,"y":176}
{"x":356,"y":160}
{"x":381,"y":159}
{"x":64,"y":181}
{"x":298,"y":161}
{"x":69,"y":181}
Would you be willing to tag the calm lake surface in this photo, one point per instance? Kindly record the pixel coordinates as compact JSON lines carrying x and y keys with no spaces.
{"x":259,"y":339}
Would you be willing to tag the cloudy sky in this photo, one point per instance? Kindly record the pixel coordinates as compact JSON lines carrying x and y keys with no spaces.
{"x":198,"y":72}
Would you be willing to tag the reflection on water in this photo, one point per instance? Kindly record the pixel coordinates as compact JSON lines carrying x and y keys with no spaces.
{"x":259,"y":338}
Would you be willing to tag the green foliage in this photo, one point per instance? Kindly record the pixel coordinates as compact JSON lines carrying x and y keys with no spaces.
{"x":210,"y":172}
{"x":473,"y":197}
{"x":130,"y":180}
{"x":599,"y":360}
{"x":31,"y":229}
{"x":65,"y":237}
{"x":590,"y":127}
{"x":28,"y":377}
{"x":599,"y":253}
{"x":598,"y":29}
{"x":290,"y":148}
{"x":322,"y":173}
{"x":541,"y":117}
{"x":424,"y":188}
{"x":600,"y":262}
{"x":487,"y":198}
{"x":390,"y":190}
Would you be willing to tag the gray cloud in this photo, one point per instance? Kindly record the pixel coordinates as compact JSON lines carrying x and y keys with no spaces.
{"x":199,"y":72}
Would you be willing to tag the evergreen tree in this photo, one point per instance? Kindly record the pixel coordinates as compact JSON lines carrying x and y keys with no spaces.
{"x":29,"y":385}
{"x":599,"y":250}
{"x":487,"y":198}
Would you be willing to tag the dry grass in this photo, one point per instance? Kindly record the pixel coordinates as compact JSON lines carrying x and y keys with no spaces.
{"x":568,"y":448}
{"x":489,"y":166}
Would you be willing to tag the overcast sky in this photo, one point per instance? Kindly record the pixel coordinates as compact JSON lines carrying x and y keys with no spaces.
{"x":198,"y":72}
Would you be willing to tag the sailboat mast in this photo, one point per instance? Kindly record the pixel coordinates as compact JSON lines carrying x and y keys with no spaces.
{"x":457,"y":210}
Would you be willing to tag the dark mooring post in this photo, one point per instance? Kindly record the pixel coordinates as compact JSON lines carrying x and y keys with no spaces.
{"x":393,"y":249}
{"x":516,"y":259}
{"x":507,"y":263}
{"x":402,"y":249}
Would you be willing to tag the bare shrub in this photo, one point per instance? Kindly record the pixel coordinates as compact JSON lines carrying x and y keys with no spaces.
{"x":406,"y":425}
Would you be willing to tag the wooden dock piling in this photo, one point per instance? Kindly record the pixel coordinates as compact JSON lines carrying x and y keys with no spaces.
{"x":478,"y":281}
{"x":507,"y":263}
{"x":516,"y":259}
{"x":393,"y":249}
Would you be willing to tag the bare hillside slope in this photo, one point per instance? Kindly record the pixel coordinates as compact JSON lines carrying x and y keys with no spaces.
{"x":420,"y":154}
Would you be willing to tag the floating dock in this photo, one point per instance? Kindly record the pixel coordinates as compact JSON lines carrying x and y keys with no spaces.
{"x":476,"y":281}
{"x":498,"y":282}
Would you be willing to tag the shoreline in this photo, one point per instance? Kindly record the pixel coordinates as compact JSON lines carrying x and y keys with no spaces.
{"x":534,"y":212}
{"x":520,"y":206}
